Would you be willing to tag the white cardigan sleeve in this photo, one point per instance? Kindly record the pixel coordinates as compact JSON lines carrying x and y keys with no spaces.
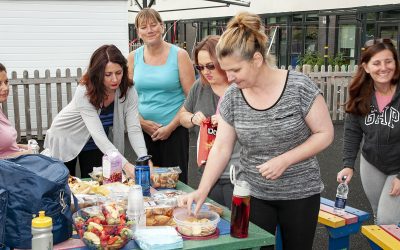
{"x":132,"y":122}
{"x":92,"y":121}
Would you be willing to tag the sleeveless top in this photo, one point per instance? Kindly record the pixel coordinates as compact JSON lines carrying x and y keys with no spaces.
{"x":159,"y":88}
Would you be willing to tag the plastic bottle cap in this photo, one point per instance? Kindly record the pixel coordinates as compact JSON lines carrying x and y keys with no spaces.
{"x":242,"y":188}
{"x":42,"y":221}
{"x":143,"y":161}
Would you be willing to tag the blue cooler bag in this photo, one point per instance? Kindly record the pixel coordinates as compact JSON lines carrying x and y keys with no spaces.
{"x":35,"y":182}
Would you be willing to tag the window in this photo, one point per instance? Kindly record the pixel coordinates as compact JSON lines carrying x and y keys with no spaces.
{"x":282,"y":57}
{"x":312,"y":18}
{"x":347,"y":43}
{"x":204,"y":29}
{"x":311,"y":41}
{"x":370,"y":31}
{"x":297,"y":44}
{"x":391,"y":14}
{"x":213,"y":27}
{"x":271,"y":20}
{"x":297,"y":18}
{"x":371,"y":16}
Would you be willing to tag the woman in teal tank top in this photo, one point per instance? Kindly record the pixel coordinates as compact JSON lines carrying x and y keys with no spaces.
{"x":162,"y":74}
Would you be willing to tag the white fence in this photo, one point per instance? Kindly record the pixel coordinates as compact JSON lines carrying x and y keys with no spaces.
{"x":34,"y":101}
{"x":333,"y":82}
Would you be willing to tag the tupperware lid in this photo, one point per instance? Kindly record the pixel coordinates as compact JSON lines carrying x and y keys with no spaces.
{"x":143,"y":161}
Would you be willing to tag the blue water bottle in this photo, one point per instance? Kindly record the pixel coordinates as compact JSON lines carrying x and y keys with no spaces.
{"x":142,"y":174}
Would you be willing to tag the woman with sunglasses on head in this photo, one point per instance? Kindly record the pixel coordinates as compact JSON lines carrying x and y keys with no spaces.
{"x":8,"y":144}
{"x":162,"y":75}
{"x":373,"y":116}
{"x":281,"y":121}
{"x":202,"y":102}
{"x":104,"y":104}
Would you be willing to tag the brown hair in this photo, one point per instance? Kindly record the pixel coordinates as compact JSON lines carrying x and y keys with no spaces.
{"x":362,"y":85}
{"x":2,"y":68}
{"x":208,"y":44}
{"x":147,"y":14}
{"x":94,"y":76}
{"x":244,"y":34}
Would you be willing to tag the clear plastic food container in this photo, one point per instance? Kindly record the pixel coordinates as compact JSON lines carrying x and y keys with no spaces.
{"x":165,"y":177}
{"x":203,"y":224}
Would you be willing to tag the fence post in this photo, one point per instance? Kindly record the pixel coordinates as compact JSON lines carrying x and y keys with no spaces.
{"x":58,"y":87}
{"x":17,"y":119}
{"x":68,"y":85}
{"x":27,"y":100}
{"x":38,"y":101}
{"x":48,"y":98}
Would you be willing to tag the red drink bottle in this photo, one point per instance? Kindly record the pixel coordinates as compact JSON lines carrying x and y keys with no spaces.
{"x":240,"y":210}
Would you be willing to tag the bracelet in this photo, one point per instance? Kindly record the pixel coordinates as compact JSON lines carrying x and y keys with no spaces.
{"x":191,"y":119}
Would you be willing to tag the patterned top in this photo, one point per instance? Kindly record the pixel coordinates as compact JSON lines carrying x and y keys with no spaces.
{"x":264,"y":134}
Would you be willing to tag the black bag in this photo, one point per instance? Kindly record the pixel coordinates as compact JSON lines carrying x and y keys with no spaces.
{"x":34,"y":183}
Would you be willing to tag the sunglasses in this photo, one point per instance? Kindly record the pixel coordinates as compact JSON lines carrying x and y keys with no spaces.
{"x":374,"y":41}
{"x":209,"y":66}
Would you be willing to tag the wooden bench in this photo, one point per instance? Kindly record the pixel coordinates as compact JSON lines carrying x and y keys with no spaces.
{"x":339,"y":227}
{"x":383,"y":236}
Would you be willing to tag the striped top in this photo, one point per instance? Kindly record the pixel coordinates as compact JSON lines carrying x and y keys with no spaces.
{"x":265,"y":134}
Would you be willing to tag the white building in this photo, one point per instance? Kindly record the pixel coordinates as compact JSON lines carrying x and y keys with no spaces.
{"x":52,"y":34}
{"x":56,"y":34}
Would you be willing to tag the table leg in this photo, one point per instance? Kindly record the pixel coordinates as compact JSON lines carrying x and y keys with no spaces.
{"x":373,"y":245}
{"x":339,"y":243}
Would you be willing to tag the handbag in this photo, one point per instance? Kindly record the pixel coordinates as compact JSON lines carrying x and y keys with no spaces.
{"x":34,"y":183}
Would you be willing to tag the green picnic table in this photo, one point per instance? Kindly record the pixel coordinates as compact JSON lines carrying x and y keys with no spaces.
{"x":257,"y":236}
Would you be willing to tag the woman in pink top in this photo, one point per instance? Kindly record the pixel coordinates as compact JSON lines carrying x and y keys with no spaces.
{"x":8,"y":144}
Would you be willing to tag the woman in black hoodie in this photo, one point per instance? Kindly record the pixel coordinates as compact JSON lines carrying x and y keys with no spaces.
{"x":373,"y":112}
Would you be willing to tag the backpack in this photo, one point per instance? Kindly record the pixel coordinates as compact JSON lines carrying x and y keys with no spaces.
{"x":33,"y":183}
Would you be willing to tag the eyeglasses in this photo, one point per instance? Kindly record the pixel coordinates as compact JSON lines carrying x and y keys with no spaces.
{"x":374,"y":41}
{"x":209,"y":66}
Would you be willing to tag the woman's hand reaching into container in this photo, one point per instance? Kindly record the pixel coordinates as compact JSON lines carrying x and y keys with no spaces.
{"x":196,"y":197}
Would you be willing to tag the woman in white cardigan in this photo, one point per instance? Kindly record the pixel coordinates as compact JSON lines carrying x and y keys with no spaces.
{"x":104,"y":105}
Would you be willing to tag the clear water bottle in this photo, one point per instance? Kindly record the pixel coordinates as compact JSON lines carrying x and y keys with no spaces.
{"x":341,"y":197}
{"x":135,"y":211}
{"x":142,"y":174}
{"x":33,"y":146}
{"x":42,"y":237}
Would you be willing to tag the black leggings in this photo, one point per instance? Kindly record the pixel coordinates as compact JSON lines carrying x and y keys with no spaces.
{"x":87,"y":160}
{"x":171,"y":152}
{"x":296,"y":218}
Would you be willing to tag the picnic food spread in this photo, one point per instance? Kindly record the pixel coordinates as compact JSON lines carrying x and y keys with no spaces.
{"x":102,"y":221}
